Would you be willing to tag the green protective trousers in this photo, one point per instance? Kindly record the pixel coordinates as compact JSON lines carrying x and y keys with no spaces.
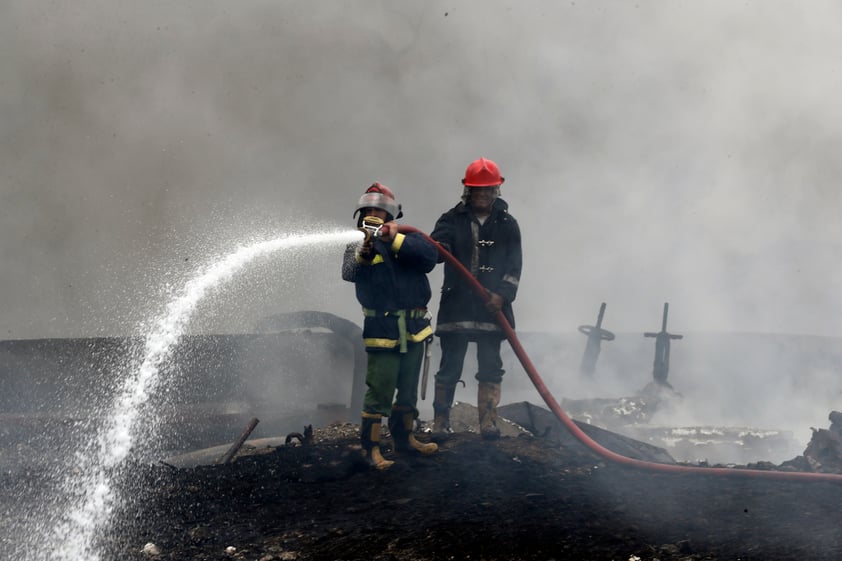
{"x":389,"y":372}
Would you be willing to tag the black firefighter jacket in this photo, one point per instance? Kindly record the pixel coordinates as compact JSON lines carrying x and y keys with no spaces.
{"x":492,"y":253}
{"x":393,"y":289}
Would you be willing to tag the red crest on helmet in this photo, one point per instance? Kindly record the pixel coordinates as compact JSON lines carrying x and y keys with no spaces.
{"x":380,"y":196}
{"x":482,"y":173}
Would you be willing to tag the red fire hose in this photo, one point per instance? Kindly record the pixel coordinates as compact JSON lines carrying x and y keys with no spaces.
{"x":575,"y":430}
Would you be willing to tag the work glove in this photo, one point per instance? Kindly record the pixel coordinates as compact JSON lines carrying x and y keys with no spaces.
{"x":366,"y":250}
{"x":495,"y":303}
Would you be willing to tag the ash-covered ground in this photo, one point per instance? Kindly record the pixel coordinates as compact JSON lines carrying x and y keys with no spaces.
{"x":520,"y":498}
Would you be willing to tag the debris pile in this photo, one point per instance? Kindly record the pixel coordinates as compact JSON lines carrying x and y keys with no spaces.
{"x":824,"y":452}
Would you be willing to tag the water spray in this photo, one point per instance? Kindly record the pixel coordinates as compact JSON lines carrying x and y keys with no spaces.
{"x":94,"y":497}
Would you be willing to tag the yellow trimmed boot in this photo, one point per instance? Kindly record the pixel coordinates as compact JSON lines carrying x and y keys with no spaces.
{"x":488,"y":397}
{"x":370,"y":439}
{"x":402,"y":425}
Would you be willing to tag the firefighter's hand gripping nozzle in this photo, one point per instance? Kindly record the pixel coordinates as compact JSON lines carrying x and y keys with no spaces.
{"x":371,"y":227}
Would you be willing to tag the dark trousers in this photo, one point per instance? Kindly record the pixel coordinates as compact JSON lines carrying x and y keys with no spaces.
{"x":454,"y":346}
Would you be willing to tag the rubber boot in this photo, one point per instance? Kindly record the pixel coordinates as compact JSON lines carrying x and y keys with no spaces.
{"x":370,"y":440}
{"x":488,"y":397}
{"x":401,"y":424}
{"x":441,"y":411}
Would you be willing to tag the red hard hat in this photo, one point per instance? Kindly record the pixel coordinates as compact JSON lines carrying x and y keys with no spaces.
{"x":380,"y":196}
{"x":482,"y":173}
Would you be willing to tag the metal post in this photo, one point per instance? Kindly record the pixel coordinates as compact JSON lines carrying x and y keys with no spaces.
{"x":229,"y":455}
{"x":595,"y":337}
{"x":661,"y":365}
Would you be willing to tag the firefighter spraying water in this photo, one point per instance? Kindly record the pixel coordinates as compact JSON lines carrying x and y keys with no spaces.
{"x":389,"y":271}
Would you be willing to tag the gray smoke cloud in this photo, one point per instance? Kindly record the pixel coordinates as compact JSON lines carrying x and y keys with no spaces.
{"x":654,"y":151}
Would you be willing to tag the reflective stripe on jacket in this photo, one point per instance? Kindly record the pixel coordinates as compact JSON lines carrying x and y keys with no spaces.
{"x":492,"y":252}
{"x":391,"y":286}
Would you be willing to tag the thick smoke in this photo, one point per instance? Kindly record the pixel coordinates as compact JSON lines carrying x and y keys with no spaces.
{"x":654,"y":152}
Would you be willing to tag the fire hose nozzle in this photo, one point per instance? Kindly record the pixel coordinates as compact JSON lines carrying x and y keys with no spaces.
{"x":371,"y":227}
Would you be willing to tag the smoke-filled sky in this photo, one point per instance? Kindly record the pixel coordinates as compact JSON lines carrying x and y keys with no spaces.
{"x":654,"y":151}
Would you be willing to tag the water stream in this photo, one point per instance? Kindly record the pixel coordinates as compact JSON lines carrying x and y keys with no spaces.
{"x":89,"y":495}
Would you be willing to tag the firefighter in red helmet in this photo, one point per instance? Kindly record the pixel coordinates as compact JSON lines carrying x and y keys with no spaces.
{"x":389,"y":271}
{"x":485,"y":238}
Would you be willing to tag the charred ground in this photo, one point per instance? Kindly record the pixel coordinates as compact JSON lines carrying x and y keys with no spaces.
{"x":519,"y":498}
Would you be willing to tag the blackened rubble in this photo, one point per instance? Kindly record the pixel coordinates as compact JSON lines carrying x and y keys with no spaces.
{"x":520,"y":498}
{"x":824,"y":452}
